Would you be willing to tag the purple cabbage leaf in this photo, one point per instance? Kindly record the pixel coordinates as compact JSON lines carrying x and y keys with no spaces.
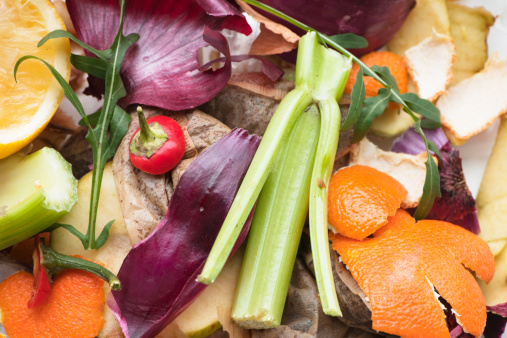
{"x":158,"y":275}
{"x":456,"y":204}
{"x":162,"y":68}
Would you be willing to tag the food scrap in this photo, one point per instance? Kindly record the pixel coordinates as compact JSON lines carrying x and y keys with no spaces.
{"x":361,"y":199}
{"x":404,"y":262}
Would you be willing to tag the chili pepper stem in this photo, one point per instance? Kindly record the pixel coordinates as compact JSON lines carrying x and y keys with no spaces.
{"x":54,"y":262}
{"x":149,"y":139}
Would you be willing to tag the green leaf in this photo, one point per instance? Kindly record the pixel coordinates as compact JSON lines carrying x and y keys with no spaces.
{"x":101,"y":240}
{"x":350,"y":41}
{"x":385,"y":74}
{"x":431,"y":188}
{"x":356,"y":101}
{"x":71,"y":229}
{"x":119,"y":127}
{"x":422,"y":107}
{"x":90,"y":65}
{"x":60,"y":33}
{"x":373,"y":108}
{"x":67,"y":89}
{"x":429,"y":124}
{"x":93,"y":118}
{"x":432,"y":146}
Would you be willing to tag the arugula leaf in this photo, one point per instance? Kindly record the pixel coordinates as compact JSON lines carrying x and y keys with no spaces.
{"x":424,"y":108}
{"x":431,"y":188}
{"x":356,"y":101}
{"x":373,"y":107}
{"x":349,"y":40}
{"x":111,"y":123}
{"x":385,"y":74}
{"x":90,"y":65}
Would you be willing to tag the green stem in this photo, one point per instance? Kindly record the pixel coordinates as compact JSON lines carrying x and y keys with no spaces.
{"x":54,"y":262}
{"x":279,"y":127}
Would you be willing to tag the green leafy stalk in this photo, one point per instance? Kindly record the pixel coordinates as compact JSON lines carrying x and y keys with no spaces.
{"x":411,"y":104}
{"x":276,"y":229}
{"x":320,"y":78}
{"x":112,"y":123}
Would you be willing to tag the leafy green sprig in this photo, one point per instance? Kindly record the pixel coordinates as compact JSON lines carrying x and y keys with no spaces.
{"x":363,"y":112}
{"x":107,"y":131}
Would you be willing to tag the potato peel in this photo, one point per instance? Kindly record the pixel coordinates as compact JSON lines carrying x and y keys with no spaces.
{"x":429,"y":64}
{"x":409,"y":170}
{"x":475,"y":103}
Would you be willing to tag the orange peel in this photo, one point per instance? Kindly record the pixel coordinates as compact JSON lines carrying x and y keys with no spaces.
{"x":74,"y":307}
{"x":360,"y":200}
{"x":399,"y":267}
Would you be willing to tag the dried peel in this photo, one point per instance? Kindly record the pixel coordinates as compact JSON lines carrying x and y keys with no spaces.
{"x":409,"y":170}
{"x":475,"y":103}
{"x":395,"y":266}
{"x":429,"y":63}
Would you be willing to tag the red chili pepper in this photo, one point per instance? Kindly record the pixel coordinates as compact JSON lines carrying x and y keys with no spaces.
{"x":158,"y":144}
{"x":42,"y":283}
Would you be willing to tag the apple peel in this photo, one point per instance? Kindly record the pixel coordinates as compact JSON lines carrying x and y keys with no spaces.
{"x":407,"y":169}
{"x":429,"y":64}
{"x":475,"y":103}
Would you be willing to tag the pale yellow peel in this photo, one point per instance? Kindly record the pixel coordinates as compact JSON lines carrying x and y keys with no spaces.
{"x":475,"y":103}
{"x":409,"y":170}
{"x":429,"y":64}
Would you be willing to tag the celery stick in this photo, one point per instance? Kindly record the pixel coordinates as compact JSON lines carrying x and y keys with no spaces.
{"x":321,"y":75}
{"x":36,"y":191}
{"x":276,"y":229}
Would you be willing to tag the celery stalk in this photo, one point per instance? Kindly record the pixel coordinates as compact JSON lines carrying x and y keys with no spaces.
{"x":321,"y":75}
{"x":276,"y":229}
{"x":37,"y":190}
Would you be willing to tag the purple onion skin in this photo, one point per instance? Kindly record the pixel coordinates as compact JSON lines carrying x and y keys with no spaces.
{"x":158,"y":275}
{"x":375,"y":20}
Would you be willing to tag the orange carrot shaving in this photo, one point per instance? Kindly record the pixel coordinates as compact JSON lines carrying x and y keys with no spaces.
{"x":390,"y":60}
{"x":73,"y":308}
{"x":399,"y":267}
{"x":360,"y":200}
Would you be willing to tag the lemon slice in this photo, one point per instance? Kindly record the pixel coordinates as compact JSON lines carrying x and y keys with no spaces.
{"x":27,"y":106}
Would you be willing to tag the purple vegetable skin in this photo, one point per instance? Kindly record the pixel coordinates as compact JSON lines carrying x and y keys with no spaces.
{"x":456,"y":205}
{"x":171,"y":34}
{"x":375,"y":20}
{"x":158,"y":275}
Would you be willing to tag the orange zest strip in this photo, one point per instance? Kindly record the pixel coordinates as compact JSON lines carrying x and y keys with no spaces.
{"x":73,"y":308}
{"x":399,"y":266}
{"x":387,"y":59}
{"x":360,"y":200}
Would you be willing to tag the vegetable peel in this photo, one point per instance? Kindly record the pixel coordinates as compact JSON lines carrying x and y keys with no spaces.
{"x":429,"y":64}
{"x":170,"y":255}
{"x":156,"y":63}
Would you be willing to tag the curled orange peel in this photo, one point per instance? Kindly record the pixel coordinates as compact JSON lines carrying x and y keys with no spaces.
{"x":74,"y":307}
{"x":360,"y":200}
{"x":399,"y":267}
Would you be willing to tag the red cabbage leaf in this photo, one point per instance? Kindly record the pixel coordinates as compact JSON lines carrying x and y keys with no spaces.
{"x":158,"y":275}
{"x":161,"y":69}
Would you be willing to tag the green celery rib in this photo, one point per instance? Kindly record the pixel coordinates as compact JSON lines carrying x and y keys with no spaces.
{"x":276,"y":229}
{"x":321,"y":75}
{"x":279,"y":127}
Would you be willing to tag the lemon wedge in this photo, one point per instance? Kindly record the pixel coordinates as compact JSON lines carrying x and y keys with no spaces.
{"x":27,"y":106}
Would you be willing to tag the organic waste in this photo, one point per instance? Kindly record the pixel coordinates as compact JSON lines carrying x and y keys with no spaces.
{"x":169,"y":260}
{"x":157,"y":64}
{"x":37,"y":97}
{"x":73,"y":307}
{"x":158,"y":145}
